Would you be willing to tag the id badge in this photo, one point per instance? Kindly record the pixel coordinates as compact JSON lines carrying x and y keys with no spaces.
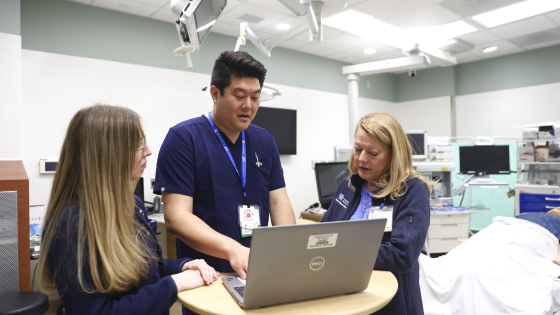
{"x":385,"y":212}
{"x":249,"y":218}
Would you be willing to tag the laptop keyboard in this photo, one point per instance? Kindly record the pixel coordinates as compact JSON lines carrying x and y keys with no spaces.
{"x":240,"y":289}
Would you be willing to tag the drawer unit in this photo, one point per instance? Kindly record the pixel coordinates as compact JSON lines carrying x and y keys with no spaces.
{"x":533,"y":198}
{"x":448,"y":230}
{"x":443,"y":245}
{"x":552,"y":199}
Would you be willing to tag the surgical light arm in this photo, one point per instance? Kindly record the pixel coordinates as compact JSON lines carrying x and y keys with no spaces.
{"x":246,"y":33}
{"x":461,"y":189}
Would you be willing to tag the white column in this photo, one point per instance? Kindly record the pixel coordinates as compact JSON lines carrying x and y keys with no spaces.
{"x":10,"y":97}
{"x":353,"y":95}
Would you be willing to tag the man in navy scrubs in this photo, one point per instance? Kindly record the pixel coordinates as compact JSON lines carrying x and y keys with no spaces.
{"x":210,"y":167}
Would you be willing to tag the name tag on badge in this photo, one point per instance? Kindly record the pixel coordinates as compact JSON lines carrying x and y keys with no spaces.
{"x":382,"y":213}
{"x":249,"y":218}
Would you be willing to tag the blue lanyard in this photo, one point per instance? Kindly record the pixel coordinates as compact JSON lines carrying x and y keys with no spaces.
{"x":243,"y":175}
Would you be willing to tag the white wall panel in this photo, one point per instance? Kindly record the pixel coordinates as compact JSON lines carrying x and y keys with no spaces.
{"x":497,"y":113}
{"x":10,"y":97}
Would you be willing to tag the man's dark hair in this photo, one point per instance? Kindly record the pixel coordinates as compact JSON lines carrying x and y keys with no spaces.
{"x":237,"y":64}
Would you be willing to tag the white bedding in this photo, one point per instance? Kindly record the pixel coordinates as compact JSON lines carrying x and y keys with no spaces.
{"x":506,"y":268}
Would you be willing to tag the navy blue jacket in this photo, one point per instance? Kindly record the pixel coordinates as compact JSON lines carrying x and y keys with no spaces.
{"x":155,"y":294}
{"x":400,"y":248}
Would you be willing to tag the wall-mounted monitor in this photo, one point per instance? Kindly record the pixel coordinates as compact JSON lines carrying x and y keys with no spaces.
{"x":484,"y":159}
{"x":419,"y":143}
{"x":282,"y":124}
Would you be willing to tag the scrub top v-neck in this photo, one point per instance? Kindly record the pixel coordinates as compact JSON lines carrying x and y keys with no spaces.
{"x":193,"y":162}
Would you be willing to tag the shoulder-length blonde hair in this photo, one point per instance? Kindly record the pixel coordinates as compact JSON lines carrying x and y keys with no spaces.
{"x":93,"y":179}
{"x":385,"y":129}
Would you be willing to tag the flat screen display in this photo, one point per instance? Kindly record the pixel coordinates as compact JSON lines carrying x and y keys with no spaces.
{"x":328,"y":176}
{"x":282,"y":124}
{"x":484,"y":159}
{"x":417,"y":142}
{"x":206,"y":12}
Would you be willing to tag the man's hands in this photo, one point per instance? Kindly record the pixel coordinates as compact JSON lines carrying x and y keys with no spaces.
{"x":239,"y":260}
{"x":207,"y":273}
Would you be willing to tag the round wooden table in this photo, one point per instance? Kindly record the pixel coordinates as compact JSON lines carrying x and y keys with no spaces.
{"x":215,"y":299}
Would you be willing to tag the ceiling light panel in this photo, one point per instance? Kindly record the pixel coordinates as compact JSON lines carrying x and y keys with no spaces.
{"x":518,"y":11}
{"x":470,"y":8}
{"x":524,"y":27}
{"x":389,"y":9}
{"x":425,"y":17}
{"x":360,"y":24}
{"x":430,"y":35}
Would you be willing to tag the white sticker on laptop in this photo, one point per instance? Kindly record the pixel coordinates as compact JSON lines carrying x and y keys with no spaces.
{"x":322,"y":241}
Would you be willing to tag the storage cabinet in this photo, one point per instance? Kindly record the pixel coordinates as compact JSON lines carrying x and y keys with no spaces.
{"x":446,"y":228}
{"x":531,"y":198}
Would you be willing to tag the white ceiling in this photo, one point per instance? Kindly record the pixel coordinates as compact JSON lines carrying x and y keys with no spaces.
{"x":531,"y":33}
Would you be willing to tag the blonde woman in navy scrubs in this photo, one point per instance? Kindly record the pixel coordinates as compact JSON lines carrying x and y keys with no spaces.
{"x":383,"y":177}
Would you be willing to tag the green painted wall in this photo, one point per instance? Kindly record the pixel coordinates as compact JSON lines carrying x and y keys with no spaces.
{"x":70,"y":28}
{"x":529,"y":68}
{"x":10,"y":17}
{"x":494,"y":199}
{"x":381,"y":87}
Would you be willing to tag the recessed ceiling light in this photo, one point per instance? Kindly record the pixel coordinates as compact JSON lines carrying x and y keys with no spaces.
{"x":283,"y":26}
{"x":516,"y":12}
{"x":489,"y":49}
{"x":360,"y":24}
{"x":124,"y":6}
{"x":370,"y":51}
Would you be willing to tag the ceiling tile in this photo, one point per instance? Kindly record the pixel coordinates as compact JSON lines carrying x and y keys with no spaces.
{"x":262,"y":36}
{"x":381,"y":49}
{"x":546,"y":44}
{"x":135,"y":8}
{"x":341,"y":42}
{"x":383,"y":9}
{"x":231,"y":4}
{"x":502,"y":45}
{"x":165,"y":15}
{"x":225,"y":28}
{"x":391,"y":55}
{"x":269,"y":16}
{"x":291,"y":20}
{"x":157,"y":3}
{"x":424,"y":17}
{"x":343,"y":57}
{"x":479,"y":37}
{"x":292,"y":44}
{"x":523,"y":27}
{"x":469,"y":8}
{"x":315,"y":50}
{"x":273,"y":5}
{"x":353,"y":2}
{"x":537,"y":38}
{"x":555,"y":16}
{"x":328,"y":32}
{"x":466,"y":57}
{"x":498,"y":53}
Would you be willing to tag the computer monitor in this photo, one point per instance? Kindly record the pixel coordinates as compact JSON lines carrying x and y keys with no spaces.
{"x":328,"y":176}
{"x":484,"y":159}
{"x":282,"y":125}
{"x":139,"y":190}
{"x":419,"y":143}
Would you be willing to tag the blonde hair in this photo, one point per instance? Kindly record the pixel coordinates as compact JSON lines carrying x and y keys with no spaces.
{"x":93,"y":182}
{"x":385,"y":129}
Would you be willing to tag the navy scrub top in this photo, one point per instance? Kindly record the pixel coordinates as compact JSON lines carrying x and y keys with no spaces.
{"x":193,"y":162}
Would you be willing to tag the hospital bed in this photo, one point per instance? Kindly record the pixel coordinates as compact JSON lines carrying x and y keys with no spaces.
{"x":506,"y":268}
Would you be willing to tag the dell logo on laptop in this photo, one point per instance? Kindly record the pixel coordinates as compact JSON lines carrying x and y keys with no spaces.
{"x":317,"y":263}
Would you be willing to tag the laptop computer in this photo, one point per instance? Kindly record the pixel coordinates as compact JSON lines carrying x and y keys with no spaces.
{"x":299,"y":262}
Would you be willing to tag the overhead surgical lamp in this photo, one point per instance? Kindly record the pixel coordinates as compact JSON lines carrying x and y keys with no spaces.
{"x":196,"y":18}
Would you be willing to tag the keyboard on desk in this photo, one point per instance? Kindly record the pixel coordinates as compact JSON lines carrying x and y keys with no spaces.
{"x":240,"y":289}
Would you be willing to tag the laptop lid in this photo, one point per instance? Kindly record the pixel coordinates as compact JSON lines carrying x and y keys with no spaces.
{"x":300,"y":262}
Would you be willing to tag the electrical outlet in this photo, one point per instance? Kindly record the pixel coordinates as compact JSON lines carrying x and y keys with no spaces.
{"x":152,"y":182}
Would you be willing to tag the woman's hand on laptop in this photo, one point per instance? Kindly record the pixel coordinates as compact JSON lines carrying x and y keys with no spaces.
{"x":239,"y":260}
{"x":207,"y":273}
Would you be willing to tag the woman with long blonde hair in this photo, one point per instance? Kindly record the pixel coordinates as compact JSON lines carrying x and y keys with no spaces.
{"x":384,"y":184}
{"x":98,"y":248}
